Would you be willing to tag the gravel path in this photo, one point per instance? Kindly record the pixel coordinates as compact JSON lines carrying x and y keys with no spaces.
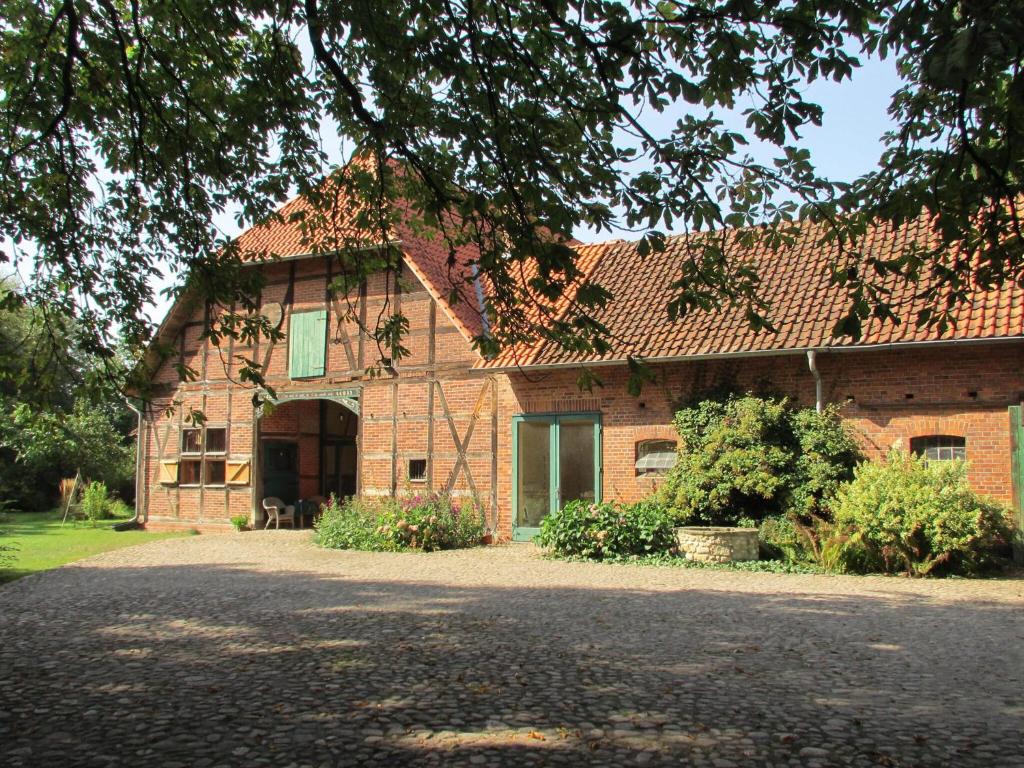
{"x":260,"y":649}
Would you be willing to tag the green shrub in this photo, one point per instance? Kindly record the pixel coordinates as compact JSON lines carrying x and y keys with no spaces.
{"x":240,"y":522}
{"x":780,"y":539}
{"x":6,"y":550}
{"x":918,"y":517}
{"x":119,"y":510}
{"x":749,"y":458}
{"x":354,"y":524}
{"x":429,"y":523}
{"x":95,"y":502}
{"x":608,"y":531}
{"x":815,"y":541}
{"x":826,"y":456}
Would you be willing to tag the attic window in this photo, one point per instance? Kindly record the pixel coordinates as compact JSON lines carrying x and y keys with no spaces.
{"x":940,"y":447}
{"x":655,"y":457}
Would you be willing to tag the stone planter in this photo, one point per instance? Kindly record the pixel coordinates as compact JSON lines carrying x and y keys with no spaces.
{"x":717,"y":545}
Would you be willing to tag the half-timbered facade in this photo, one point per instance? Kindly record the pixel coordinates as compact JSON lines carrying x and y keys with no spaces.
{"x":516,"y":433}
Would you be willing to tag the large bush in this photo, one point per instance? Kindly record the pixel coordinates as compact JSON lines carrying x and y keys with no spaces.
{"x":608,"y":531}
{"x":429,"y":523}
{"x":918,"y":517}
{"x":747,"y":458}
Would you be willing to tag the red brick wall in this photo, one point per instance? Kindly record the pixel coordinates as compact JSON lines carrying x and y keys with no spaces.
{"x":872,"y":385}
{"x":434,"y":407}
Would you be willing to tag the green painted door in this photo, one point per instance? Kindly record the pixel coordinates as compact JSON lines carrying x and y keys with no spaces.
{"x":281,"y":470}
{"x":1017,"y":463}
{"x":555,"y":459}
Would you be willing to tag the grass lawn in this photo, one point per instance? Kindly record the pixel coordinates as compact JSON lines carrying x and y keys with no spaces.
{"x":42,"y":543}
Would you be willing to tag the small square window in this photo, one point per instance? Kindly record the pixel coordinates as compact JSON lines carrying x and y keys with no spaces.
{"x":189,"y":472}
{"x":191,"y":440}
{"x":418,"y":470}
{"x":215,"y":472}
{"x":216,"y":439}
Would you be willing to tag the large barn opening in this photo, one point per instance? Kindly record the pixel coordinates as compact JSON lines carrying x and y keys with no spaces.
{"x":308,"y":452}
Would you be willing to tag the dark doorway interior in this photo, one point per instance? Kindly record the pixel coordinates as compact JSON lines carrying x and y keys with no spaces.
{"x":339,"y":428}
{"x":281,"y":470}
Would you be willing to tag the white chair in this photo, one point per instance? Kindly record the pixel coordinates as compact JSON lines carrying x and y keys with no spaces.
{"x":277,"y":511}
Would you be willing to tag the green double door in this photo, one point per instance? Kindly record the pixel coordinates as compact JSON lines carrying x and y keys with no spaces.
{"x":555,"y":459}
{"x":1017,"y":463}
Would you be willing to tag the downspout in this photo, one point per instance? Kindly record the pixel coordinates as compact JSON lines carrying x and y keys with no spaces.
{"x":139,"y":484}
{"x":812,"y":363}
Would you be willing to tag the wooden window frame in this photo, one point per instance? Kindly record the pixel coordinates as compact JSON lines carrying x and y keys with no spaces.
{"x":181,"y":442}
{"x":203,"y":457}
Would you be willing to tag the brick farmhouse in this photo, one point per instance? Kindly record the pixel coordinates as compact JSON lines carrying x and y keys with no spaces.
{"x":516,"y":432}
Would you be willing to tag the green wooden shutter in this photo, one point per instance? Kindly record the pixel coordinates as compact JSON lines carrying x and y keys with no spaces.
{"x":307,"y":344}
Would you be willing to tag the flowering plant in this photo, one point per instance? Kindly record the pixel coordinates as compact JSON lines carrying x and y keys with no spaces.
{"x":427,"y":522}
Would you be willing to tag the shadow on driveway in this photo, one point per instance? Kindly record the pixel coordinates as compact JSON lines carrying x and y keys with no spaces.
{"x":204,"y":665}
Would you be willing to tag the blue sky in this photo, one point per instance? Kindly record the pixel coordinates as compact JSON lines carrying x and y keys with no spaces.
{"x":847,"y":145}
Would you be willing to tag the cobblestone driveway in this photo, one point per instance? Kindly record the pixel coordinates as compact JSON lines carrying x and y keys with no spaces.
{"x":260,"y":649}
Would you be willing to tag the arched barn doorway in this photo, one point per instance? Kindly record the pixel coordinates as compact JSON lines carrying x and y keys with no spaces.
{"x":308,"y":451}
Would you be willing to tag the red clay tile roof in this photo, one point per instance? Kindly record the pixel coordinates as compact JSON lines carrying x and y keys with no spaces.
{"x":804,"y":305}
{"x":287,"y":235}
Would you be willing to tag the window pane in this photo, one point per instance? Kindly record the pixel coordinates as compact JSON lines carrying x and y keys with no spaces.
{"x":939,"y":447}
{"x":188,"y":472}
{"x":654,"y":446}
{"x":417,"y":469}
{"x":655,"y":457}
{"x":533,"y":470}
{"x":216,"y":440}
{"x":576,"y":460}
{"x":215,"y":472}
{"x":191,"y":441}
